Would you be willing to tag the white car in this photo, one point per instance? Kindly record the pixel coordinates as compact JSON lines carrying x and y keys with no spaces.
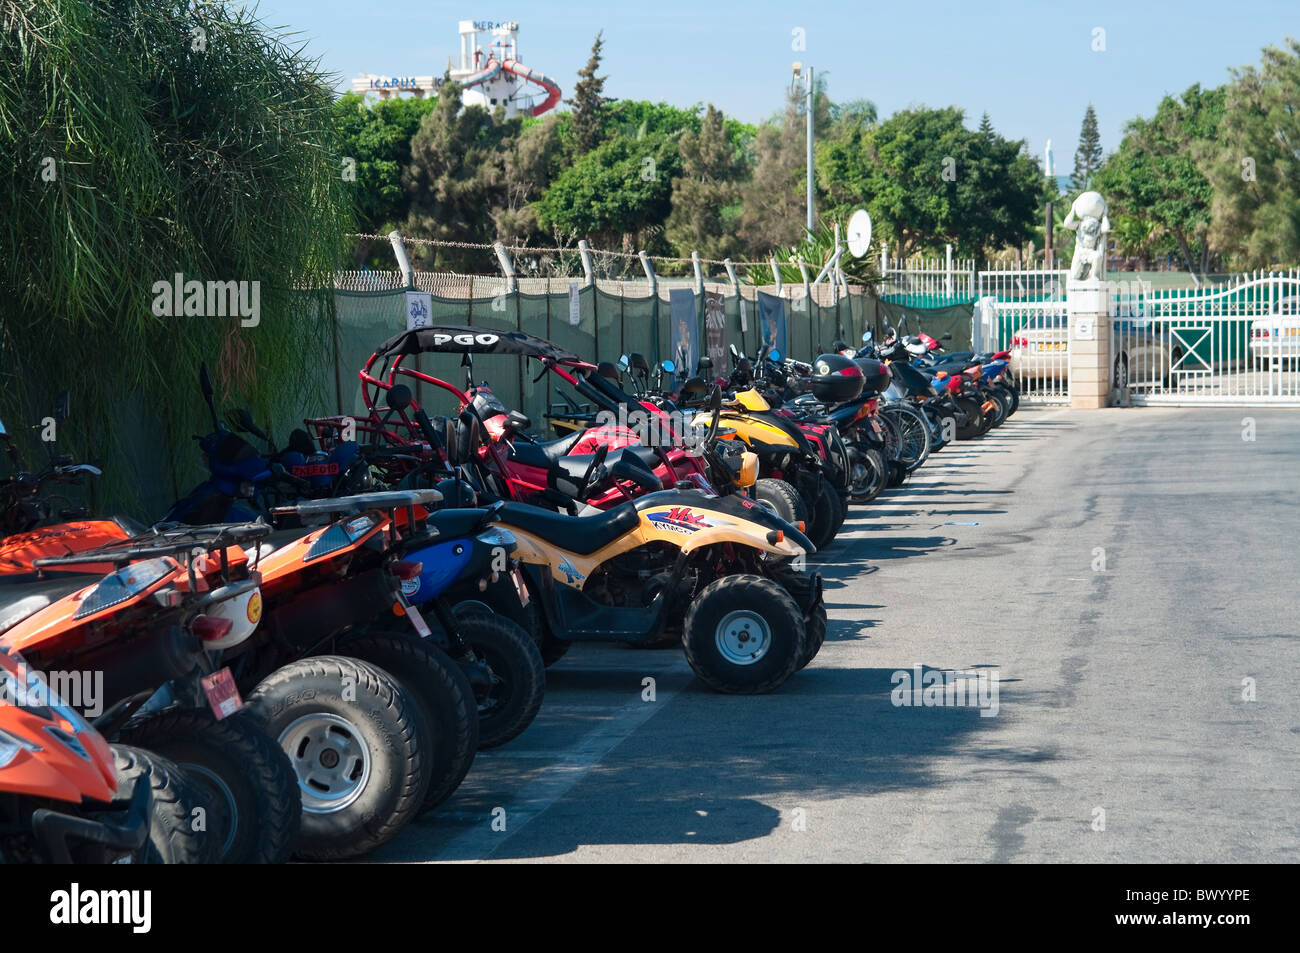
{"x":1275,"y":339}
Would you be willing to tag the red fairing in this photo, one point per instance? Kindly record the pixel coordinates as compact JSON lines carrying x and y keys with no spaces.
{"x":614,"y":437}
{"x":1001,"y":356}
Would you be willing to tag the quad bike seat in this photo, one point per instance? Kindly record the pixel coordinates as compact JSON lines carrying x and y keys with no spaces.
{"x":544,"y":453}
{"x":576,"y":465}
{"x":579,"y":534}
{"x":18,"y":600}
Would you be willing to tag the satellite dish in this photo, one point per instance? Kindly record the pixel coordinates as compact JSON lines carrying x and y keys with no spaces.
{"x":859,"y":236}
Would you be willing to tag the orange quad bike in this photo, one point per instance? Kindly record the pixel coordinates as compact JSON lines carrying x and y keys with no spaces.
{"x":367,"y":761}
{"x":67,"y":796}
{"x":139,"y":649}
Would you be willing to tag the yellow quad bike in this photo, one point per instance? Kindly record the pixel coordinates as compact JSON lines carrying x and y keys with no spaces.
{"x":790,"y":483}
{"x":719,"y":569}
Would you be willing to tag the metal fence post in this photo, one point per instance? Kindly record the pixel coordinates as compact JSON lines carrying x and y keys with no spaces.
{"x":507,"y":266}
{"x":588,"y":272}
{"x":403,"y":263}
{"x":654,"y":297}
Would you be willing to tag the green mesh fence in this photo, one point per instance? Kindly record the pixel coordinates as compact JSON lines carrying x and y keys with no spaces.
{"x":608,"y":325}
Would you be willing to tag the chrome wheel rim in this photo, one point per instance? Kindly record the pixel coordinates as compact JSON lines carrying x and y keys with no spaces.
{"x":330,"y":760}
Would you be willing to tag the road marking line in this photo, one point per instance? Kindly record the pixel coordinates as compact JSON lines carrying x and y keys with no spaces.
{"x":479,"y":843}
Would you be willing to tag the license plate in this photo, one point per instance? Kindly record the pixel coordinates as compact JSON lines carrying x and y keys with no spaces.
{"x":417,"y":620}
{"x":520,"y":588}
{"x":222,"y":693}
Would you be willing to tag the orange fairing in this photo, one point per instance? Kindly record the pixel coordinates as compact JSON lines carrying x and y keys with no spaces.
{"x":18,"y":551}
{"x":46,"y":749}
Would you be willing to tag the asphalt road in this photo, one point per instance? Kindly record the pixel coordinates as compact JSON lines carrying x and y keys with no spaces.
{"x":1119,"y":688}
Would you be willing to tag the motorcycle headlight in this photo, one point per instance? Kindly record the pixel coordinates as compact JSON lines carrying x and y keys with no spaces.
{"x":339,"y":536}
{"x":124,"y":584}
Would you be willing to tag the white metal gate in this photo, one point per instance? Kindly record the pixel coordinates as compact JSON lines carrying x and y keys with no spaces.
{"x":1234,"y":343}
{"x":1023,"y":310}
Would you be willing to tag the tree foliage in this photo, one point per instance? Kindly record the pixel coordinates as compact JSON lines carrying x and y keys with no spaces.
{"x":137,"y":145}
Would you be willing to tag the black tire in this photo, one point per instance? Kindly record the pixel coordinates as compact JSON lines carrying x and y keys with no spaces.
{"x":502,"y":598}
{"x":746,"y":603}
{"x":553,"y":649}
{"x":782,"y":499}
{"x":253,"y":795}
{"x":868,"y":487}
{"x":971,"y":424}
{"x":827,"y":517}
{"x":897,"y":473}
{"x":800,"y":585}
{"x":518,"y":675}
{"x":173,"y":801}
{"x":1004,"y":407}
{"x":380,"y":724}
{"x":1121,"y":372}
{"x":442,"y":693}
{"x":814,"y":634}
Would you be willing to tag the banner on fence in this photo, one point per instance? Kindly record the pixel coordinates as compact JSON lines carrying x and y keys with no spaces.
{"x":715,"y":330}
{"x":685,"y":335}
{"x":771,"y":319}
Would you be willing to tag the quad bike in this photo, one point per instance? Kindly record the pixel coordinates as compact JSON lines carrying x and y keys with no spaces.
{"x":721,"y":570}
{"x":67,"y":796}
{"x":301,"y":483}
{"x":150,"y":633}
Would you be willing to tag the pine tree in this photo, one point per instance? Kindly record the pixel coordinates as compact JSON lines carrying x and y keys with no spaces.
{"x":1087,"y":158}
{"x":986,"y":126}
{"x":587,"y":102}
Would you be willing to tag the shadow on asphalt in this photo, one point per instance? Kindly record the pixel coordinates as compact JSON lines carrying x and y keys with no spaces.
{"x":699,"y":777}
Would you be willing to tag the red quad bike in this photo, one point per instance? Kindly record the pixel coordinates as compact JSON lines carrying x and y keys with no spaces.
{"x":67,"y":796}
{"x":142,"y":646}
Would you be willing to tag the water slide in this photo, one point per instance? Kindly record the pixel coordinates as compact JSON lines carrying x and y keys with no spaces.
{"x":527,"y":74}
{"x":539,"y":79}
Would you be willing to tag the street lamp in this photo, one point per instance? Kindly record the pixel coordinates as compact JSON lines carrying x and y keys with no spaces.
{"x":806,"y":72}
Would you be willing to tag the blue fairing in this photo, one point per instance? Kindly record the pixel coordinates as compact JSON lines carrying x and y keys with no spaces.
{"x":442,"y":567}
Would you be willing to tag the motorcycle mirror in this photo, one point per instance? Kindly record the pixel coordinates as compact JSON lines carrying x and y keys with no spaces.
{"x":774,"y":355}
{"x":669,"y":366}
{"x":705,"y":364}
{"x":399,"y":397}
{"x":3,"y":432}
{"x":607,"y":370}
{"x":623,"y":362}
{"x":205,"y":385}
{"x":638,"y":362}
{"x":866,"y":336}
{"x":61,"y":407}
{"x":734,"y":352}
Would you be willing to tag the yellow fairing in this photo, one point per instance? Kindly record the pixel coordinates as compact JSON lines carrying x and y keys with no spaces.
{"x":745,"y":427}
{"x":752,"y":400}
{"x":686,"y":527}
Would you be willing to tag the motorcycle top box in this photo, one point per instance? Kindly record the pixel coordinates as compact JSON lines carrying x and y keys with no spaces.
{"x":836,"y":379}
{"x":876,"y":373}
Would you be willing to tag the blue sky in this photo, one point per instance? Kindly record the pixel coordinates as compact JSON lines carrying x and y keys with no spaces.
{"x":1029,"y":64}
